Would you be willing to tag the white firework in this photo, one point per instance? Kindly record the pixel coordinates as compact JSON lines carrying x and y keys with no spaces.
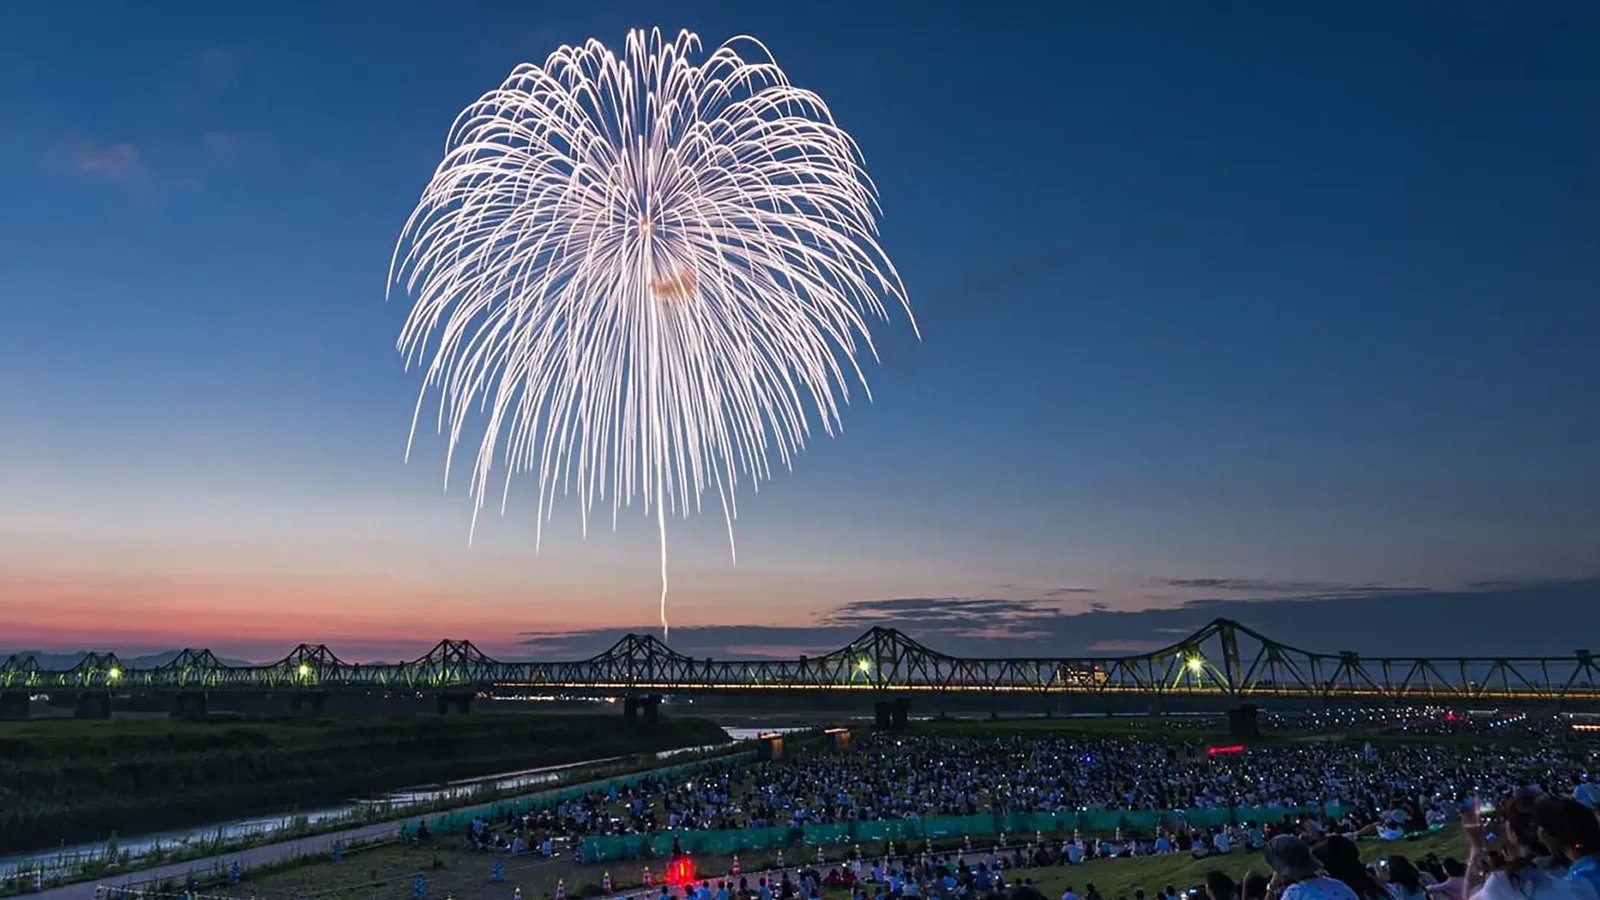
{"x":645,"y":270}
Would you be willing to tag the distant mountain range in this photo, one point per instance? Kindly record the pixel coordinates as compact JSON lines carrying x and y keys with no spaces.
{"x":68,"y":660}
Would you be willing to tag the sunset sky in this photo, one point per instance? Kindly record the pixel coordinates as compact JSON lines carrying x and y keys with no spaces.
{"x":1224,"y":306}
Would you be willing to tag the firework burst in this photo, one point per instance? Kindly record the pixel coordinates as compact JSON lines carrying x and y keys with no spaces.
{"x":647,"y":272}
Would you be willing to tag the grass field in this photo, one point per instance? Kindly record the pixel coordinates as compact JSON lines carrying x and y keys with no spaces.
{"x":71,"y":781}
{"x":387,"y":873}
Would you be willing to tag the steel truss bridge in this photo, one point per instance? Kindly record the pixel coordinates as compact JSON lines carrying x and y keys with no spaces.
{"x":1224,"y":661}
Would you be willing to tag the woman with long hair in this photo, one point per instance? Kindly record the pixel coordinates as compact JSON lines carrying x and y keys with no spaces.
{"x":1401,"y":879}
{"x":1342,"y":861}
{"x":1572,"y":832}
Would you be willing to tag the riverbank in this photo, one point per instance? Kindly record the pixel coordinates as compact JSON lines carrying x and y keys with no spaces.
{"x":71,"y":781}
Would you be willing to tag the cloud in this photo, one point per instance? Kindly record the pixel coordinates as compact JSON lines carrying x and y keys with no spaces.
{"x":1522,"y":618}
{"x":753,"y":641}
{"x":1125,"y":646}
{"x":118,"y":163}
{"x":990,"y":618}
{"x":221,"y":143}
{"x":1267,"y":586}
{"x":217,"y":67}
{"x":940,"y":610}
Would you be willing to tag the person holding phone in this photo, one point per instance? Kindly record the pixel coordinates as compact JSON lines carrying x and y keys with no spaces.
{"x":1572,"y":831}
{"x":1515,"y":875}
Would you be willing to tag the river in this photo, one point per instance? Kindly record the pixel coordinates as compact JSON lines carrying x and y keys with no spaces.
{"x":51,"y":861}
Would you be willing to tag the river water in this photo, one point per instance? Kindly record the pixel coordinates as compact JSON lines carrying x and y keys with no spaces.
{"x":50,"y":861}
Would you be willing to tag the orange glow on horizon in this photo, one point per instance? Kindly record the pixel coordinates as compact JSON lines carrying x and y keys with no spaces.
{"x":273,"y":613}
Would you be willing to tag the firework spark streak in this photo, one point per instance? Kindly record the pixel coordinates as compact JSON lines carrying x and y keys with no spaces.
{"x":644,"y":270}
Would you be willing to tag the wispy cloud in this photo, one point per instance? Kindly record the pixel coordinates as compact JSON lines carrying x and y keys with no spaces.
{"x":1375,"y":619}
{"x":186,"y":163}
{"x":937,"y":611}
{"x":221,"y":144}
{"x":1264,"y":587}
{"x":120,"y":163}
{"x":217,"y":67}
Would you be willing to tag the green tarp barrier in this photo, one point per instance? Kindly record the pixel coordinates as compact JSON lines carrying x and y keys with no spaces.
{"x":457,"y":820}
{"x":1017,"y":825}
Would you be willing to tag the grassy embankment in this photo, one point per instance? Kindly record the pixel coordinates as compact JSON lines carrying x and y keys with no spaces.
{"x":70,"y":781}
{"x":387,"y":872}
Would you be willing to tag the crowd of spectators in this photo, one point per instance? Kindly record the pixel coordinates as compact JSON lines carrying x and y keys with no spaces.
{"x":1389,"y":791}
{"x":1546,"y":848}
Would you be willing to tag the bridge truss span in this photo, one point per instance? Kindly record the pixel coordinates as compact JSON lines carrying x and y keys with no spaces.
{"x":1224,"y":660}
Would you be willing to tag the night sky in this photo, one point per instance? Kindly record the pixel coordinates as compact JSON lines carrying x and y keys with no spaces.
{"x":1281,"y":311}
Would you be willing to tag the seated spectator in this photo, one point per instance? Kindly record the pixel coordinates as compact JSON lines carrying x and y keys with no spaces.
{"x":1220,"y":887}
{"x":1295,"y":873}
{"x":1401,"y":879}
{"x":1572,"y":832}
{"x":1515,"y":874}
{"x":1342,"y":861}
{"x":1454,"y":885}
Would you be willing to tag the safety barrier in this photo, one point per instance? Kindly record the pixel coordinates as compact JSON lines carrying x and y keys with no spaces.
{"x":457,"y":820}
{"x":722,"y":843}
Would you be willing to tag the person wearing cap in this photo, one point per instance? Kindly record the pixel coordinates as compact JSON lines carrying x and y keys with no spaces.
{"x":1295,"y":873}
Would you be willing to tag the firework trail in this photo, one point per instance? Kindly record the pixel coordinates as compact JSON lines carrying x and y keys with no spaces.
{"x":644,"y":270}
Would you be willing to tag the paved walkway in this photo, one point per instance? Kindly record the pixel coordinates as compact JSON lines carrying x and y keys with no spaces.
{"x":249,"y":858}
{"x":265,"y":854}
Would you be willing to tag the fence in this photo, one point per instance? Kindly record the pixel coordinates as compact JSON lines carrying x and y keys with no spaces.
{"x":722,"y":843}
{"x":457,"y":820}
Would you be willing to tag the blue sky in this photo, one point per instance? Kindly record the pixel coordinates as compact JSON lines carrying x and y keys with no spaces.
{"x":1299,"y":294}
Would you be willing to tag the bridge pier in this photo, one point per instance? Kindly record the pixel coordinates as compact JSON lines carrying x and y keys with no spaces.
{"x":189,"y":705}
{"x":650,"y":706}
{"x":892,"y":715}
{"x":14,"y":705}
{"x":93,"y":705}
{"x":462,"y":703}
{"x":313,"y":702}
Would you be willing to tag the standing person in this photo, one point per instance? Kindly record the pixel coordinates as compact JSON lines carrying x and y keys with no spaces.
{"x":1294,"y":873}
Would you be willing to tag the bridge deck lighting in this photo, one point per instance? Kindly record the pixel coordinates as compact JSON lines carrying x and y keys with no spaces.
{"x":305,"y":670}
{"x":113,"y":673}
